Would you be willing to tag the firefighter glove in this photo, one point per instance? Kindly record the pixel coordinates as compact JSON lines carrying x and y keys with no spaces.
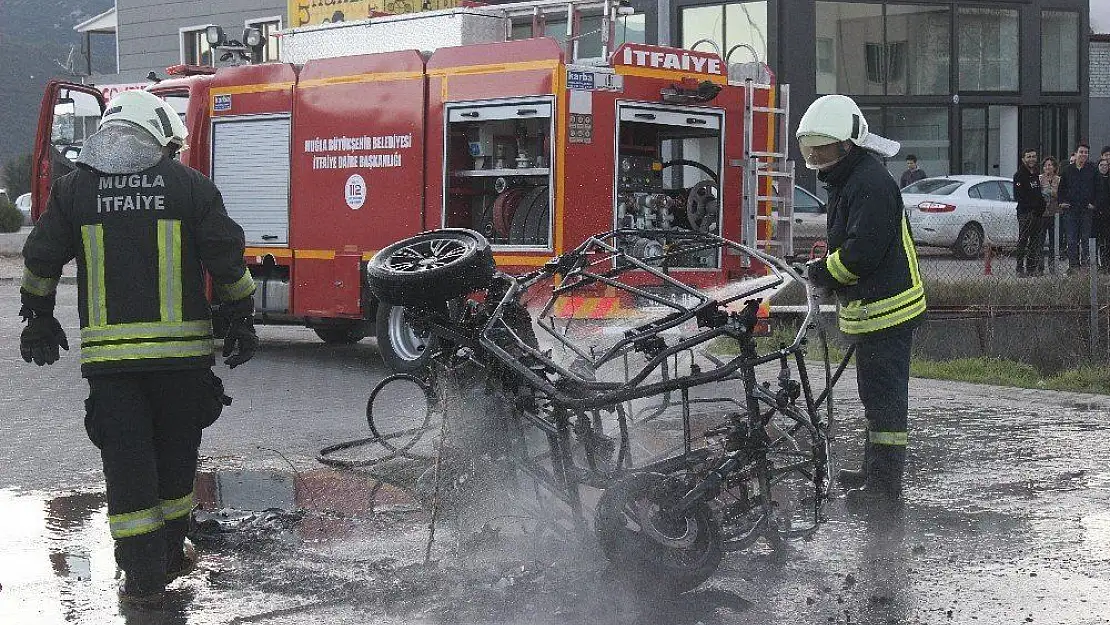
{"x":241,"y":341}
{"x":41,"y":339}
{"x":818,"y":273}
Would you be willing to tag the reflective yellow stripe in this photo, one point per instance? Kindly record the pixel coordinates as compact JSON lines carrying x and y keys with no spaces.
{"x":875,"y":324}
{"x":93,"y":238}
{"x":839,"y":271}
{"x":169,"y":269}
{"x":177,"y":508}
{"x":239,"y":289}
{"x":911,"y":251}
{"x":152,"y":330}
{"x":37,"y":285}
{"x":888,"y":438}
{"x":135,"y":523}
{"x":139,"y":351}
{"x":859,"y":318}
{"x":858,"y":311}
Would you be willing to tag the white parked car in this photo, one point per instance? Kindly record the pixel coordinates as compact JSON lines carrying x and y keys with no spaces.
{"x":809,"y":221}
{"x":963,"y":213}
{"x":23,"y":203}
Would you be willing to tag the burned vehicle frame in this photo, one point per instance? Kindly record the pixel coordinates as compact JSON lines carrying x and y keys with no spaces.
{"x":761,"y":468}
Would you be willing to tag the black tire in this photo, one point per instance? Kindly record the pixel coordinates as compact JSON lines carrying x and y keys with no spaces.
{"x":969,"y":243}
{"x":341,"y":333}
{"x":431,"y":267}
{"x":648,"y":561}
{"x":403,"y":351}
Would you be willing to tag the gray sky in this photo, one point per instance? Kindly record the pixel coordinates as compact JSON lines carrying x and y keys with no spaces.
{"x":1100,"y":16}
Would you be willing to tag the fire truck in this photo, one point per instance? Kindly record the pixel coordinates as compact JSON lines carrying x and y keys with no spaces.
{"x":368,"y":132}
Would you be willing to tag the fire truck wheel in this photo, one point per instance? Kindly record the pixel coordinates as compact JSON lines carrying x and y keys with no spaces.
{"x":431,"y":267}
{"x":401,"y":347}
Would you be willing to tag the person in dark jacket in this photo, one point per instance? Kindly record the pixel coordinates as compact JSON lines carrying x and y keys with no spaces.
{"x":144,"y":230}
{"x":873,"y":270}
{"x":1077,"y":200}
{"x":912,"y":173}
{"x":1030,"y":209}
{"x":1101,"y":220}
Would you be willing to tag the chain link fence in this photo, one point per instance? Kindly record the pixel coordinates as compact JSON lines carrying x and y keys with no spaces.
{"x":989,"y":298}
{"x":982,"y":305}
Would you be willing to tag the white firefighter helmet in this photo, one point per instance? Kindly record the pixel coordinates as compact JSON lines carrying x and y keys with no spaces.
{"x":149,"y":112}
{"x":832,"y":119}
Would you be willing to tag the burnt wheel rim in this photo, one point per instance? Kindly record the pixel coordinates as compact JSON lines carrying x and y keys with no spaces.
{"x":427,"y":255}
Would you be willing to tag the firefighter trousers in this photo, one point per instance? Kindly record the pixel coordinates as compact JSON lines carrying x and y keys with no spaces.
{"x":883,"y":377}
{"x":148,"y":428}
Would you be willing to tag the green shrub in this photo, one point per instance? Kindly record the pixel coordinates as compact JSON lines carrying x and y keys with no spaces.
{"x":11,"y":220}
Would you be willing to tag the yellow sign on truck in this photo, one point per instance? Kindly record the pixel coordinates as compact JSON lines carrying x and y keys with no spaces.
{"x":312,"y":12}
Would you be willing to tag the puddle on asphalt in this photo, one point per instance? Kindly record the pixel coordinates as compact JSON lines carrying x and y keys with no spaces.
{"x":56,"y":554}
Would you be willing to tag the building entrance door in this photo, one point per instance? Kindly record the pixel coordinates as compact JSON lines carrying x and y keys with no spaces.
{"x":989,"y":140}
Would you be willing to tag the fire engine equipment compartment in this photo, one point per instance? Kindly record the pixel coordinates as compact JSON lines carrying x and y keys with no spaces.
{"x":498,"y":170}
{"x":668,"y":177}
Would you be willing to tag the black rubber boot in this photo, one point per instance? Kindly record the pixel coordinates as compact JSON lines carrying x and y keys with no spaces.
{"x":883,"y":486}
{"x":853,"y":478}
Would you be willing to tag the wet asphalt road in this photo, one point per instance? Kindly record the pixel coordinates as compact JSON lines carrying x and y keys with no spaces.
{"x":1007,"y":519}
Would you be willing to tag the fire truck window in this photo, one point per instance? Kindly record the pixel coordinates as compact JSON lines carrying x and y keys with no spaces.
{"x":499,"y":173}
{"x":179,"y":102}
{"x":76,"y":115}
{"x":668,"y":178}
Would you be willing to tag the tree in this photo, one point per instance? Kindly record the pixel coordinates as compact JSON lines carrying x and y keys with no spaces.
{"x":17,"y":175}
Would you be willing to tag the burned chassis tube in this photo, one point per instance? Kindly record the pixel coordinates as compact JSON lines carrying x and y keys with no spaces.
{"x":610,"y":393}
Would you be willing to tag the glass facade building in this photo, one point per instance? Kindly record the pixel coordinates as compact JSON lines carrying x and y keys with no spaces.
{"x":964,"y":86}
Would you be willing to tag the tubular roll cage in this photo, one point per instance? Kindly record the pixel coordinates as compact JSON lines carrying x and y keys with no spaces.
{"x":599,"y":261}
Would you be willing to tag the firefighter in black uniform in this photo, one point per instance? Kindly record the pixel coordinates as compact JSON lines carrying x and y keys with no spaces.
{"x":872,"y":269}
{"x":144,"y":229}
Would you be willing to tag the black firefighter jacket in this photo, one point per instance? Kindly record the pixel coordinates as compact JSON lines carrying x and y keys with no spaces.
{"x":873,"y":265}
{"x":142,"y":243}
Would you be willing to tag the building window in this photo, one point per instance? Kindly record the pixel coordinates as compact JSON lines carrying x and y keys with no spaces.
{"x":873,"y":55}
{"x":923,"y":132}
{"x":628,"y":29}
{"x":824,"y":55}
{"x":728,"y":26}
{"x":988,"y":41}
{"x":271,"y":50}
{"x":1059,"y":51}
{"x":869,"y":49}
{"x":856,"y":33}
{"x":918,"y":44}
{"x":194,"y":47}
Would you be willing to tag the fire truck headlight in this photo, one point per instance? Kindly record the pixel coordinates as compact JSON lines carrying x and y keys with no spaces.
{"x":214,"y":35}
{"x":252,"y":37}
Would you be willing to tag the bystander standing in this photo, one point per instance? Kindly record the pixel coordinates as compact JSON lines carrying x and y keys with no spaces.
{"x":1030,"y":211}
{"x":912,"y":173}
{"x":1077,"y":199}
{"x":1102,"y":213}
{"x":1050,"y":184}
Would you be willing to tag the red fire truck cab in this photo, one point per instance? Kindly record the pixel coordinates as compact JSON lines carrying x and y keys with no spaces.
{"x":326,"y":161}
